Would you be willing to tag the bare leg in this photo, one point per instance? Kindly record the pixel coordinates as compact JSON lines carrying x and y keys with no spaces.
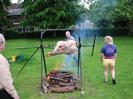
{"x":112,"y":68}
{"x":106,"y":73}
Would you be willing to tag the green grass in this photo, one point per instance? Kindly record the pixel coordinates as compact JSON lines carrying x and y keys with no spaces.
{"x":27,"y":83}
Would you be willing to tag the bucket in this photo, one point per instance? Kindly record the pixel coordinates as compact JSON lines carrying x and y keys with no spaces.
{"x":13,"y":58}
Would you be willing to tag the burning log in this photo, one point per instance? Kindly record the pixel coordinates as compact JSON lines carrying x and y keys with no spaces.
{"x":61,"y":81}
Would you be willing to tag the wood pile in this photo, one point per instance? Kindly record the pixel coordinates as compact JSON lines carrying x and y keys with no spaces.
{"x":60,"y":81}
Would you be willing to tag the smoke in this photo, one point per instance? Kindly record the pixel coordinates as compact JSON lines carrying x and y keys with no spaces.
{"x":70,"y":63}
{"x":101,"y":12}
{"x":83,"y":30}
{"x":99,"y":15}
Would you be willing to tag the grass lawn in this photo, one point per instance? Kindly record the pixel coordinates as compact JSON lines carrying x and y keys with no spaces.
{"x":27,"y":83}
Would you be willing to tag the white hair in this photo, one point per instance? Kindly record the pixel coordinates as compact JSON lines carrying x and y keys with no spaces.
{"x":108,"y":40}
{"x":2,"y":39}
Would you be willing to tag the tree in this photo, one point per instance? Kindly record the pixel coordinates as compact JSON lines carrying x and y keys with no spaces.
{"x":51,"y":13}
{"x":100,"y":12}
{"x":117,"y":13}
{"x":124,"y":11}
{"x":3,"y":13}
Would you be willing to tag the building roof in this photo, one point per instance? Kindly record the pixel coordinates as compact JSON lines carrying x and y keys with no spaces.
{"x":14,"y":6}
{"x":15,"y":9}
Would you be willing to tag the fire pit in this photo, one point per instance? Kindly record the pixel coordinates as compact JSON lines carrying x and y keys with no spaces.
{"x":60,"y":81}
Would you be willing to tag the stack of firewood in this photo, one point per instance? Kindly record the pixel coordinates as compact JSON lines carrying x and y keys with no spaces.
{"x":61,"y":81}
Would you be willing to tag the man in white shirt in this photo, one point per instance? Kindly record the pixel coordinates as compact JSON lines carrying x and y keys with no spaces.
{"x":65,"y":47}
{"x":6,"y":81}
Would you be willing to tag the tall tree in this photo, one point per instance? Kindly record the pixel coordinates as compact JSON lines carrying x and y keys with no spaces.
{"x":117,"y":13}
{"x":51,"y":13}
{"x":3,"y":13}
{"x":100,"y":12}
{"x":124,"y":11}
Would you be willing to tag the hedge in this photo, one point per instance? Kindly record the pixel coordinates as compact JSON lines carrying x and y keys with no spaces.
{"x":14,"y":34}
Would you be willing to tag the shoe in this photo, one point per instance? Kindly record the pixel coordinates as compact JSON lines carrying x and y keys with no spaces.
{"x":105,"y":81}
{"x":114,"y":82}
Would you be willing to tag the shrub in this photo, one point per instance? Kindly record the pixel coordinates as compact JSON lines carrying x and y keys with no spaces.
{"x":12,"y":34}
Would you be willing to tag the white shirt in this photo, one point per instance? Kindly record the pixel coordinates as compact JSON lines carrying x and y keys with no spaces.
{"x":6,"y":81}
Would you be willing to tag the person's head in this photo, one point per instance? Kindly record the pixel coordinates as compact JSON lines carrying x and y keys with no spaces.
{"x":67,"y":34}
{"x":2,"y":42}
{"x":108,"y":40}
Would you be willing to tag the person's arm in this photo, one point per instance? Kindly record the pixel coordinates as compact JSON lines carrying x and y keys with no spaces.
{"x":6,"y":79}
{"x":72,"y":38}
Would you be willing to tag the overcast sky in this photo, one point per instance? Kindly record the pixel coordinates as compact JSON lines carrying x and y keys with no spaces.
{"x":14,"y":1}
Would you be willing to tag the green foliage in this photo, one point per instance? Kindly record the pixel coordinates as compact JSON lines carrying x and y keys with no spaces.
{"x":3,"y":13}
{"x":112,"y":31}
{"x":11,"y":34}
{"x":124,"y":9}
{"x":5,"y":2}
{"x":116,"y":12}
{"x":101,"y":12}
{"x":52,"y":13}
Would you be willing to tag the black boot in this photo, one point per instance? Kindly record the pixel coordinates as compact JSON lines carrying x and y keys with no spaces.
{"x":114,"y":82}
